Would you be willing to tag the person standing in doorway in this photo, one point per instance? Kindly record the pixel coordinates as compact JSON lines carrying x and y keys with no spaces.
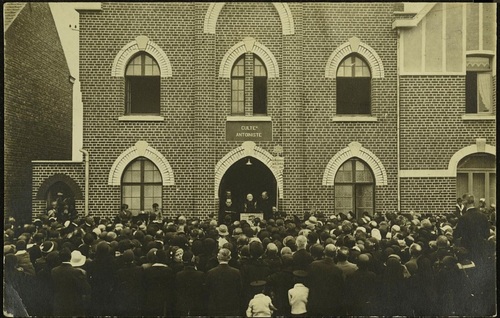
{"x":264,"y":205}
{"x":250,"y":205}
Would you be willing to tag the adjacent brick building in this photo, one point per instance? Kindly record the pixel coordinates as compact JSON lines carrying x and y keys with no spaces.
{"x":37,"y":100}
{"x":333,"y":107}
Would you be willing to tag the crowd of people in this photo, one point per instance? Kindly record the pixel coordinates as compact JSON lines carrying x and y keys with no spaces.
{"x":285,"y":265}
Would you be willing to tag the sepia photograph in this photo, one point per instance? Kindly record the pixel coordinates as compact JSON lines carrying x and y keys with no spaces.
{"x":249,"y":159}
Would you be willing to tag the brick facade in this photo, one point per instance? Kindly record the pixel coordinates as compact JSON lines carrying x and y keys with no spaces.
{"x":37,"y":103}
{"x":196,"y":100}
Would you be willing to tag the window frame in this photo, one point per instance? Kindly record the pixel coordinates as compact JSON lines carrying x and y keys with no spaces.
{"x":470,"y":171}
{"x":343,"y":83}
{"x":152,"y":83}
{"x":142,"y":183}
{"x":353,"y":183}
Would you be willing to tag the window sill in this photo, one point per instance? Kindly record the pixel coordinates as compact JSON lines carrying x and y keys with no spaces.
{"x":478,"y":117}
{"x":347,"y":118}
{"x":249,"y":118}
{"x":141,"y":118}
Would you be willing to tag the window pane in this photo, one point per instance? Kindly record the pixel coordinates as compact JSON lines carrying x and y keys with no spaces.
{"x":131,"y":196}
{"x":343,"y":198}
{"x":260,"y":95}
{"x":462,"y":184}
{"x":364,"y":199}
{"x":363,"y":172}
{"x":239,"y":67}
{"x":477,"y":161}
{"x":471,"y":92}
{"x":493,"y":188}
{"x":478,"y":185}
{"x":484,"y":90}
{"x":152,"y":194}
{"x":145,"y":94}
{"x":344,"y":174}
{"x":259,"y":68}
{"x":353,"y":95}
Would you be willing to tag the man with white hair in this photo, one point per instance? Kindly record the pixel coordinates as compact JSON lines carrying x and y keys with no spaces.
{"x":301,"y":258}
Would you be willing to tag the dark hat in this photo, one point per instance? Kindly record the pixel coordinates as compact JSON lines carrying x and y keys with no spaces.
{"x":188,"y":257}
{"x":258,"y":283}
{"x":300,"y":273}
{"x":128,"y":256}
{"x":47,"y":247}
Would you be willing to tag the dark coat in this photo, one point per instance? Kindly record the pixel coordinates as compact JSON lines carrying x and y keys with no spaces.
{"x":102,"y":274}
{"x":279,"y":283}
{"x":190,"y":292}
{"x":473,"y":228}
{"x":360,"y":293}
{"x":301,"y":260}
{"x":71,"y":291}
{"x":224,"y":291}
{"x":128,"y":292}
{"x":326,"y":288}
{"x":159,"y":288}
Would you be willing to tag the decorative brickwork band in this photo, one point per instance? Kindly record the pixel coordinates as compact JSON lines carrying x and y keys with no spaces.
{"x":141,"y":149}
{"x":354,"y":45}
{"x":141,"y":43}
{"x":248,"y":149}
{"x":249,"y":45}
{"x":355,"y":150}
{"x":287,"y":24}
{"x":75,"y":188}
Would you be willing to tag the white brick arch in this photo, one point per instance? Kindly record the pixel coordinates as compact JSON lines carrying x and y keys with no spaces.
{"x":354,"y":150}
{"x":144,"y":44}
{"x":247,"y":149}
{"x":252,"y":46}
{"x":284,"y":12}
{"x":354,"y":45}
{"x":479,"y":147}
{"x":141,"y":149}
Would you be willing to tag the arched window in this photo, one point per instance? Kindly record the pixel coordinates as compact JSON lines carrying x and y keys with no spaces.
{"x":142,"y":80}
{"x":238,"y":87}
{"x":354,"y":188}
{"x":257,"y":75}
{"x":353,"y":86}
{"x":259,"y":87}
{"x":476,"y":174}
{"x":141,"y":185}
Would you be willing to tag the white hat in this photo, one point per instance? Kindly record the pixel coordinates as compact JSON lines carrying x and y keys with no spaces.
{"x":222,"y":229}
{"x":77,"y":259}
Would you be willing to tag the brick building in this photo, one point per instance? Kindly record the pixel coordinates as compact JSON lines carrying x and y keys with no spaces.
{"x":37,"y":100}
{"x":333,"y":107}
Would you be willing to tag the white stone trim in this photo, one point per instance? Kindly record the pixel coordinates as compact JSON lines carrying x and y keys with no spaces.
{"x":351,"y":118}
{"x":247,"y":149}
{"x":141,"y":43}
{"x":88,"y":6}
{"x":249,"y":45}
{"x":284,"y":12}
{"x":451,"y":172}
{"x":141,"y":118}
{"x":410,"y":23}
{"x":354,"y":45}
{"x":355,"y":150}
{"x":249,"y":118}
{"x":141,"y":149}
{"x":478,"y":117}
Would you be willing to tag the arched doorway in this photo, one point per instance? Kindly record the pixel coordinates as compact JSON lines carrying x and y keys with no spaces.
{"x":248,"y":175}
{"x":59,"y":187}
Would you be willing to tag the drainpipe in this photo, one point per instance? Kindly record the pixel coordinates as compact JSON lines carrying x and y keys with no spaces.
{"x":86,"y":153}
{"x":397,"y":120}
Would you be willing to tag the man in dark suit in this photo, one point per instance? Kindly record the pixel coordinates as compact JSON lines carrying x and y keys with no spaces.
{"x":72,"y":290}
{"x":128,"y":292}
{"x":326,"y":286}
{"x":301,"y":258}
{"x":158,"y":282}
{"x":473,"y":229}
{"x":190,"y":289}
{"x":224,"y":287}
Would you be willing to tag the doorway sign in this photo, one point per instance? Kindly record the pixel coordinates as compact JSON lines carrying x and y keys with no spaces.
{"x":249,"y":131}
